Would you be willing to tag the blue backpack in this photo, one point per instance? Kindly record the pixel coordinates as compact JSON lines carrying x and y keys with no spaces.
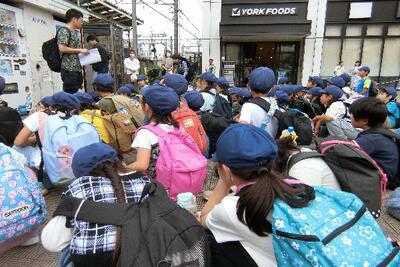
{"x":335,"y":229}
{"x":62,"y":138}
{"x":22,"y":205}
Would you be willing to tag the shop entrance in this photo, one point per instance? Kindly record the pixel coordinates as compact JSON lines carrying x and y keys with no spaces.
{"x":282,"y":57}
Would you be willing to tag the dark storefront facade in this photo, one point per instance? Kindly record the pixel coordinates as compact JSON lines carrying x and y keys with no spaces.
{"x":263,"y":33}
{"x":363,"y":30}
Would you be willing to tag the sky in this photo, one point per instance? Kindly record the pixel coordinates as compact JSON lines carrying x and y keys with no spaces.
{"x":157,"y":24}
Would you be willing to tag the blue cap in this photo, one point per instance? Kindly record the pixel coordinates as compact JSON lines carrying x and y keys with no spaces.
{"x":89,"y":157}
{"x":194,"y":100}
{"x":104,"y":80}
{"x":282,"y":96}
{"x":390,"y":91}
{"x":161,"y":99}
{"x":209,"y":77}
{"x":130,"y":86}
{"x":176,"y":82}
{"x":84,"y":98}
{"x":364,"y":68}
{"x":222,"y":82}
{"x":141,"y":77}
{"x":346,"y":78}
{"x":283,"y":80}
{"x":315,"y":91}
{"x":2,"y":84}
{"x":253,"y":147}
{"x":317,"y":80}
{"x":333,"y":90}
{"x":123,"y":90}
{"x":94,"y":95}
{"x":291,"y":88}
{"x":68,"y":100}
{"x":262,"y":79}
{"x":337,"y":81}
{"x":240,"y":91}
{"x":47,"y":101}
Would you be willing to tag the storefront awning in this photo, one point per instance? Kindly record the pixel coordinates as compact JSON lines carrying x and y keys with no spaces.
{"x":104,"y":11}
{"x":271,"y":30}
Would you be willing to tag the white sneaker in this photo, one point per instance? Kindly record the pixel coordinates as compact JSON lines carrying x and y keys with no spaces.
{"x":31,"y":241}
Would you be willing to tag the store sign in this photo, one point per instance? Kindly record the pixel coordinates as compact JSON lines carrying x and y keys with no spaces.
{"x":276,"y":11}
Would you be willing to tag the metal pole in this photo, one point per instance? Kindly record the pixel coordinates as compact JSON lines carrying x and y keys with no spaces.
{"x":134,"y":27}
{"x":176,"y":26}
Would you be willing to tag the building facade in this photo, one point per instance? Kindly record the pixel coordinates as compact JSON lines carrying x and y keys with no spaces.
{"x":299,"y":38}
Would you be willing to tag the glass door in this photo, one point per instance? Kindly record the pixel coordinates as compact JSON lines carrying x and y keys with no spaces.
{"x":287,"y":60}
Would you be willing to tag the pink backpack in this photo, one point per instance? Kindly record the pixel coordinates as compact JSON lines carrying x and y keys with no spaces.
{"x":180,"y":165}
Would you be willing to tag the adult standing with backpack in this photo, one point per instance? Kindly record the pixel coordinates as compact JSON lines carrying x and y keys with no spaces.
{"x":100,"y":178}
{"x":163,"y":150}
{"x":69,"y":44}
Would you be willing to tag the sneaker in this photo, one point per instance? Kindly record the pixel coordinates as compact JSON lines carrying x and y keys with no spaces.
{"x":31,"y":241}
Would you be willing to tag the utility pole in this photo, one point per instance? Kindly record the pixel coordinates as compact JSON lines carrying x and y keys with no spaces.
{"x":176,"y":26}
{"x":134,"y":28}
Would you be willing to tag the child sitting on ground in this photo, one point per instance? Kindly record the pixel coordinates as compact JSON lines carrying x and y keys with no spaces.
{"x":388,"y":97}
{"x":336,"y":116}
{"x":370,"y":115}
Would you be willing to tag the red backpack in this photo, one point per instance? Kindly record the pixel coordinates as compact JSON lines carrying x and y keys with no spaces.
{"x":189,"y":121}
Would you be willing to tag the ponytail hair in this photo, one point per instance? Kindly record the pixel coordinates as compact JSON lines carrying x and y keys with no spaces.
{"x":158,"y":118}
{"x":256,"y":201}
{"x":109,"y":169}
{"x":286,"y":147}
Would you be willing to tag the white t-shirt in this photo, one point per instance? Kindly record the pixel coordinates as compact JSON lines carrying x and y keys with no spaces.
{"x":255,"y":115}
{"x":223,"y":222}
{"x":314,"y":172}
{"x":32,"y":122}
{"x":337,"y":110}
{"x":146,"y":139}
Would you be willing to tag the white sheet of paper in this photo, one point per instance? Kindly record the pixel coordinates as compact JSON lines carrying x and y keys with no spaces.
{"x":92,"y":57}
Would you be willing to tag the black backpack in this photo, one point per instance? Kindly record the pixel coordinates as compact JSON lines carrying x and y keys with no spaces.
{"x":355,"y":171}
{"x":155,"y":232}
{"x":214,"y":124}
{"x":10,"y":125}
{"x":221,"y":106}
{"x":52,"y":54}
{"x":396,"y":138}
{"x":292,"y":117}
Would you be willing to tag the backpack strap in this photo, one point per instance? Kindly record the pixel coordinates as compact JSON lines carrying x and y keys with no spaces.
{"x":157,"y":130}
{"x":93,"y":115}
{"x":262,"y":103}
{"x":41,"y":165}
{"x":299,"y":157}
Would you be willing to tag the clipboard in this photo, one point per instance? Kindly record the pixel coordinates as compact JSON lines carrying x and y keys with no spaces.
{"x":91,"y":58}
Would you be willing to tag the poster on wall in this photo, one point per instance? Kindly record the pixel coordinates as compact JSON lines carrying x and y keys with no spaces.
{"x":6,"y":67}
{"x":8,"y":34}
{"x":229,"y":71}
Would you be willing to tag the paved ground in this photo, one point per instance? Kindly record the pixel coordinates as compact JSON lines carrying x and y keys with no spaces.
{"x":36,"y":256}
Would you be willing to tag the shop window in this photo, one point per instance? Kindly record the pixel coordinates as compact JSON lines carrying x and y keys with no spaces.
{"x":391,"y":58}
{"x":232,"y":52}
{"x":374,"y":30}
{"x":394,"y":30}
{"x":361,"y":10}
{"x":354,"y":30}
{"x":330,"y":56}
{"x":333,"y":31}
{"x":351,"y":52}
{"x":372,"y":55}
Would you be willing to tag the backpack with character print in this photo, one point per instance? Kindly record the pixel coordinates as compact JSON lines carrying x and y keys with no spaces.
{"x":335,"y":229}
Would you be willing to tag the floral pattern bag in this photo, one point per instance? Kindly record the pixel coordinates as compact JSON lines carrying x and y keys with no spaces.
{"x":335,"y":229}
{"x":22,"y":207}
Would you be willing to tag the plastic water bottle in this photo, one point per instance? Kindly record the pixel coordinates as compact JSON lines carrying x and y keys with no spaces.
{"x":290,"y":132}
{"x":122,"y":110}
{"x":187,"y":201}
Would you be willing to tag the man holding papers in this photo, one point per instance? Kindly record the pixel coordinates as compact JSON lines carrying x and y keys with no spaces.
{"x":69,"y":44}
{"x":102,"y":66}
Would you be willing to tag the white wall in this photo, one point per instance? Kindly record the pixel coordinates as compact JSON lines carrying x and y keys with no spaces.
{"x":211,"y":38}
{"x":314,"y":42}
